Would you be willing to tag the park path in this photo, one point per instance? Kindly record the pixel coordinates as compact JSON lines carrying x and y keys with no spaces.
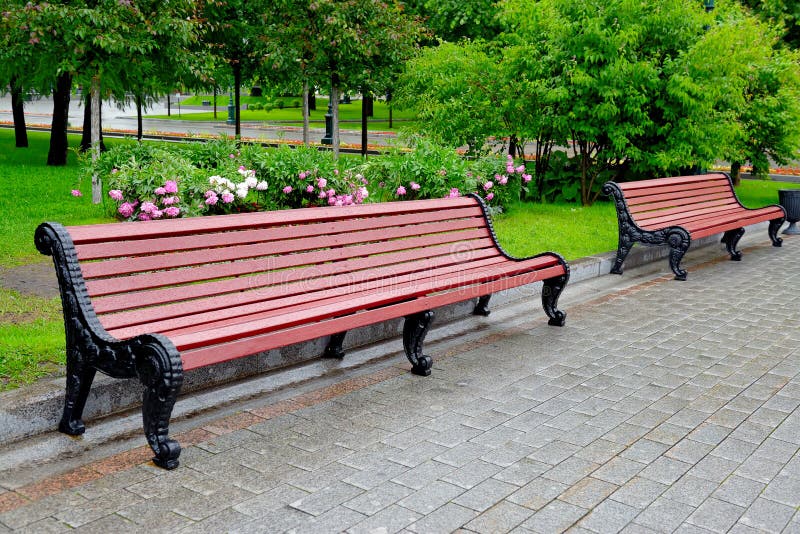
{"x":661,"y":406}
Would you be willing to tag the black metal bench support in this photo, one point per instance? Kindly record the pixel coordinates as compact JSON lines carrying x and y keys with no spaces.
{"x":482,"y":307}
{"x":415,"y":328}
{"x":334,"y":347}
{"x":151,"y":357}
{"x":774,"y":227}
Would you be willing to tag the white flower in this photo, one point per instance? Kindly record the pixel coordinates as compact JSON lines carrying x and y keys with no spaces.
{"x":251,"y":182}
{"x":241,"y":190}
{"x":261,"y":186}
{"x":216,"y":180}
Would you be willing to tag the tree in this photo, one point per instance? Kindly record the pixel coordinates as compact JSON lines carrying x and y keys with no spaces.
{"x":15,"y":53}
{"x":785,"y":13}
{"x":454,"y":20}
{"x":89,"y":41}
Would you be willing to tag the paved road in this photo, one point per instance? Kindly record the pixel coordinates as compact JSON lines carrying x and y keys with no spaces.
{"x":661,"y":406}
{"x":40,"y":112}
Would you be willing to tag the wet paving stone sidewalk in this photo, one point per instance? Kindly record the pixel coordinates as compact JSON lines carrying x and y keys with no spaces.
{"x":667,"y":406}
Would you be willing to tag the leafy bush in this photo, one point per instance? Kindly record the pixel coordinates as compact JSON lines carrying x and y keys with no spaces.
{"x":149,"y":181}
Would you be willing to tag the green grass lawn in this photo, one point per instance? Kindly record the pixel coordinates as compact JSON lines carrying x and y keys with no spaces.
{"x":349,"y":114}
{"x":31,"y":328}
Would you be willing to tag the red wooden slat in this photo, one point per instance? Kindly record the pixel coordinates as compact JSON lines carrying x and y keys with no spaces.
{"x":198,"y":257}
{"x":211,"y":224}
{"x":629,"y":186}
{"x":658,"y":190}
{"x":304,"y":287}
{"x":722,"y":224}
{"x":252,"y":345}
{"x":135,"y":247}
{"x":720,"y":203}
{"x":680,"y":197}
{"x":672,"y":204}
{"x":369,"y":300}
{"x":305,"y":296}
{"x":688,"y":216}
{"x":466,"y":243}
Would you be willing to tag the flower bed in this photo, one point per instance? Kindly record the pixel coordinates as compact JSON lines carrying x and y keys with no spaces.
{"x":149,"y":181}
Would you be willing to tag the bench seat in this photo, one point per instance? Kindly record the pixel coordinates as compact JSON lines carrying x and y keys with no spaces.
{"x":673,"y":211}
{"x":158,"y":298}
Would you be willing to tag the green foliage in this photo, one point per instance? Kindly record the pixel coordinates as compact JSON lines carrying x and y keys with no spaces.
{"x":454,"y":20}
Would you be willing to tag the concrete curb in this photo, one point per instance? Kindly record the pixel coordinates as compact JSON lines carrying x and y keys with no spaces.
{"x":36,"y":409}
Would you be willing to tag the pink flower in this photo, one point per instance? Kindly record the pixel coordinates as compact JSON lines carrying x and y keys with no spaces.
{"x":169,"y":200}
{"x":401,"y":191}
{"x":489,"y":197}
{"x":488,"y":185}
{"x":335,"y":171}
{"x":144,"y":217}
{"x":331,"y":201}
{"x":526,"y":178}
{"x":454,"y":192}
{"x":76,"y":193}
{"x":287,"y":189}
{"x":231,"y":156}
{"x":148,"y":207}
{"x":310,"y":189}
{"x":116,"y":194}
{"x":125,"y":209}
{"x":503,"y":180}
{"x":211,"y":199}
{"x":172,"y":211}
{"x":242,"y":168}
{"x":210,"y":193}
{"x":227,"y":197}
{"x":442,"y":172}
{"x":331,"y":193}
{"x":321,"y":183}
{"x":302,"y":175}
{"x":510,"y":168}
{"x":171,"y":186}
{"x":160,"y":191}
{"x":114,"y":170}
{"x":521,"y":169}
{"x":157,"y":214}
{"x":415,"y":186}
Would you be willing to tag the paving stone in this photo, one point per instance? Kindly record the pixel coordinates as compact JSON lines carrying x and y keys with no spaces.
{"x":600,"y":451}
{"x":639,"y":492}
{"x":739,"y":490}
{"x":767,"y":516}
{"x":521,"y":472}
{"x":375,"y":475}
{"x":423,"y":474}
{"x":734,"y":449}
{"x":113,"y":523}
{"x":508,"y":454}
{"x":472,"y":474}
{"x":280,"y":520}
{"x":502,"y":517}
{"x":37,"y":510}
{"x":713,"y":468}
{"x":588,"y":492}
{"x":325,"y":499}
{"x":446,"y":519}
{"x":47,"y":525}
{"x":557,"y":516}
{"x":758,"y":468}
{"x":664,"y":515}
{"x":485,"y":494}
{"x":716,"y":515}
{"x":784,"y":489}
{"x":665,"y":470}
{"x":691,"y":490}
{"x":689,"y":451}
{"x":554,"y":453}
{"x":644,"y":451}
{"x":417,"y":454}
{"x":387,"y":521}
{"x":570,"y":470}
{"x":609,"y":516}
{"x":431,"y":497}
{"x":337,"y":519}
{"x":372,"y":501}
{"x":537,"y":493}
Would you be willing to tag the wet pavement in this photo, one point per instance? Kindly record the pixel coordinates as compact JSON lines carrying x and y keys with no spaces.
{"x":661,"y":406}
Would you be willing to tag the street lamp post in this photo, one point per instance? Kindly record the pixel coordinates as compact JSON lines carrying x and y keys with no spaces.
{"x":709,"y":4}
{"x":231,"y":109}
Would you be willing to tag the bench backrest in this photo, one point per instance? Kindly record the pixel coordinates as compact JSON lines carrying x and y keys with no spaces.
{"x":667,"y":201}
{"x":147,"y":272}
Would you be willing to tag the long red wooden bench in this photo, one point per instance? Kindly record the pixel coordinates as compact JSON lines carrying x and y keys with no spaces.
{"x":673,"y":211}
{"x":154,"y":299}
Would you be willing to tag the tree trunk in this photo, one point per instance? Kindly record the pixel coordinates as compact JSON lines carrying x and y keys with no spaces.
{"x":169,"y":106}
{"x":312,"y":100}
{"x":366,"y":111}
{"x":335,"y":107}
{"x":237,"y":83}
{"x":215,"y":102}
{"x":139,"y":117}
{"x":388,"y":100}
{"x":736,"y":175}
{"x":57,"y":155}
{"x":97,"y":184}
{"x":305,"y":113}
{"x":86,"y":133}
{"x":18,"y":112}
{"x":368,"y":104}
